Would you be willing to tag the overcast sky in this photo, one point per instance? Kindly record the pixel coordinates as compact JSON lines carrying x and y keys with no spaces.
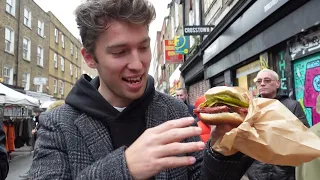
{"x":64,"y":11}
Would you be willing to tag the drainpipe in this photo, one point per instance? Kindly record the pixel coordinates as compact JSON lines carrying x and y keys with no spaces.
{"x":201,"y":17}
{"x":18,"y":43}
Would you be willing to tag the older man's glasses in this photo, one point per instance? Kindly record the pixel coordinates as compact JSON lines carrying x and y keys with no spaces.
{"x":265,"y":81}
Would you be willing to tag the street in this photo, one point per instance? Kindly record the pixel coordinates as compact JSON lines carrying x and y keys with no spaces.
{"x":20,"y":163}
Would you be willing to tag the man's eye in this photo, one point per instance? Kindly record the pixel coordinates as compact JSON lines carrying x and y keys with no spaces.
{"x":144,"y":48}
{"x":118,"y":53}
{"x":267,"y":80}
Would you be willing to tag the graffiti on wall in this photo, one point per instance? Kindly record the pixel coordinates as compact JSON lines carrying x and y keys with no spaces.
{"x":282,"y":66}
{"x":307,"y":86}
{"x":304,"y":44}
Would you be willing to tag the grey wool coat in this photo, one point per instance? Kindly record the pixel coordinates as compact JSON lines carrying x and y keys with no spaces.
{"x":72,"y":145}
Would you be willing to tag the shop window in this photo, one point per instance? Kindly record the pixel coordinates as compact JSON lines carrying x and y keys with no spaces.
{"x":245,"y":77}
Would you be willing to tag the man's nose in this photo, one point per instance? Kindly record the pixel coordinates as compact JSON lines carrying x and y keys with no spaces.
{"x":135,"y":62}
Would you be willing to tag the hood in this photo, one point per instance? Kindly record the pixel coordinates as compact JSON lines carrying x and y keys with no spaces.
{"x":86,"y":98}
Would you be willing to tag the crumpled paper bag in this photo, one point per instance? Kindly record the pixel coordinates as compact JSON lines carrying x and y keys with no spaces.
{"x":271,"y":134}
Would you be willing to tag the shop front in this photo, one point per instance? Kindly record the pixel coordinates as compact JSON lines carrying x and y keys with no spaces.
{"x":245,"y":76}
{"x":245,"y":38}
{"x":175,"y":81}
{"x":297,"y":62}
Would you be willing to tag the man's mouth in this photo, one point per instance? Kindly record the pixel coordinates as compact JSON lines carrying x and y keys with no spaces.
{"x":133,"y":80}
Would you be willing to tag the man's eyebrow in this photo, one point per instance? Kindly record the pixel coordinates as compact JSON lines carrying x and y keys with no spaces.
{"x":119,"y":45}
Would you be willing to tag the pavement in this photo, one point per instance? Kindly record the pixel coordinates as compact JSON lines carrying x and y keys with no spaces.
{"x":20,"y":162}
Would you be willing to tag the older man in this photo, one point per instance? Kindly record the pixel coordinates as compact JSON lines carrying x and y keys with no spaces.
{"x":268,"y":85}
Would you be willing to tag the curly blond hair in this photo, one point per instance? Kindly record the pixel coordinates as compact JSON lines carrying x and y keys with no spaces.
{"x":55,"y":105}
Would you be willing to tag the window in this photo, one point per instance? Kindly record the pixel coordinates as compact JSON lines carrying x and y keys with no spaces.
{"x":56,"y":35}
{"x":76,"y":71}
{"x":9,"y":40}
{"x":176,"y":16}
{"x":62,"y":63}
{"x":27,"y":17}
{"x":76,"y":53}
{"x":62,"y":40}
{"x":71,"y":69}
{"x":26,"y":49}
{"x":7,"y":75}
{"x":61,"y":87}
{"x":172,"y":27}
{"x":40,"y":28}
{"x":40,"y":56}
{"x":11,"y":7}
{"x":55,"y":84}
{"x":207,"y":4}
{"x":71,"y":48}
{"x":39,"y":88}
{"x":55,"y":60}
{"x":245,"y":76}
{"x":26,"y":81}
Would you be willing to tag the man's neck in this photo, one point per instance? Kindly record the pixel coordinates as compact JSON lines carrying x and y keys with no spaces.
{"x":273,"y":96}
{"x":110,"y":97}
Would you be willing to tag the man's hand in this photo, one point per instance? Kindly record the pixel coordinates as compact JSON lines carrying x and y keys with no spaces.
{"x":219,"y":131}
{"x":159,"y":148}
{"x":33,"y":131}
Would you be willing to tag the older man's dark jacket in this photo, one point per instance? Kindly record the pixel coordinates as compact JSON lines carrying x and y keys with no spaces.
{"x":4,"y":165}
{"x":262,"y":171}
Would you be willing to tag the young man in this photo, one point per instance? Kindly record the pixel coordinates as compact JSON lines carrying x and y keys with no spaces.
{"x":4,"y":165}
{"x":268,"y":85}
{"x":182,"y":94}
{"x":117,"y":126}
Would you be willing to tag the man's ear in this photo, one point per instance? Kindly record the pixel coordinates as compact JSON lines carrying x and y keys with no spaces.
{"x":90,"y":61}
{"x":278,"y":84}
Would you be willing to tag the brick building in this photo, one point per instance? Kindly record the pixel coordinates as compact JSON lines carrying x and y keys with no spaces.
{"x":64,"y":59}
{"x":24,"y":54}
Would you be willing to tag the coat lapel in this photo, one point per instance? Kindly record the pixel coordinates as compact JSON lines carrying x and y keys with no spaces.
{"x":95,"y":135}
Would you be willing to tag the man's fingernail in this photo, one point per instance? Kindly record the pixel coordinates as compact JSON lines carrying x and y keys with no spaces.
{"x":201,"y":145}
{"x":198,"y":130}
{"x":192,"y":160}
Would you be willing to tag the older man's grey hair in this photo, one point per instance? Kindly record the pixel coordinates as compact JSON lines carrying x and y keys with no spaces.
{"x":273,"y":73}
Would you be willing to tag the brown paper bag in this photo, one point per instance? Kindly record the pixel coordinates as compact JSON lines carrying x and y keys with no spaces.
{"x":271,"y":134}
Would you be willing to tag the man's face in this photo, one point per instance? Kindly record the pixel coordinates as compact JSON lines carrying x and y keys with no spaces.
{"x":123,"y":55}
{"x":180,"y":94}
{"x":267,"y":84}
{"x":36,"y":113}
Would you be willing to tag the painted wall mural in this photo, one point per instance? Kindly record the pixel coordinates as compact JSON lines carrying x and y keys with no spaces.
{"x":307,"y":86}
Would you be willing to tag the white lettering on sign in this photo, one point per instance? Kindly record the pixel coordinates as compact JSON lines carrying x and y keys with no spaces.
{"x":270,"y":5}
{"x":191,"y":30}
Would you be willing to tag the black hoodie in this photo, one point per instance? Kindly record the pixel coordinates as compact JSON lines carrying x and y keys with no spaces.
{"x":124,"y":127}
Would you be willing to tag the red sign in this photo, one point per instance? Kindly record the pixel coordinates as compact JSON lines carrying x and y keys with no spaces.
{"x":170,"y":55}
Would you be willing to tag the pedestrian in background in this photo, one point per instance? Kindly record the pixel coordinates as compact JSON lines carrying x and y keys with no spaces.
{"x":182,"y":94}
{"x":4,"y":164}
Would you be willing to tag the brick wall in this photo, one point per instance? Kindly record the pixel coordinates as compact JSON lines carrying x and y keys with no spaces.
{"x":198,"y":89}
